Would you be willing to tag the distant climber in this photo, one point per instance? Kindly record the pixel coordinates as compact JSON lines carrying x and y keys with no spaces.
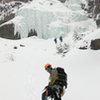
{"x":55,"y":40}
{"x":57,"y":85}
{"x":61,"y":39}
{"x":61,"y":46}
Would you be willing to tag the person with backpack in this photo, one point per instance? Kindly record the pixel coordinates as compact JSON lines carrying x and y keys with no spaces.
{"x":57,"y":84}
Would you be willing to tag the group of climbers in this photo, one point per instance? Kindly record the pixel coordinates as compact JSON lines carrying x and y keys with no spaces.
{"x":61,"y":46}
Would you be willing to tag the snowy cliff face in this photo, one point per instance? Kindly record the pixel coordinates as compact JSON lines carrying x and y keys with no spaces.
{"x":45,"y":17}
{"x":51,"y":18}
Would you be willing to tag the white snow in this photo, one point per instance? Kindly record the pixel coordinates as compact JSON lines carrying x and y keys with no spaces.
{"x":22,"y":74}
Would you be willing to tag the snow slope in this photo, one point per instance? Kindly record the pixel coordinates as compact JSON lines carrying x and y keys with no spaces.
{"x":22,"y":75}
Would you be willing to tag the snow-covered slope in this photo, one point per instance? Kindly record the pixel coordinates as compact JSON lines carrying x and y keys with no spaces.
{"x":22,"y":75}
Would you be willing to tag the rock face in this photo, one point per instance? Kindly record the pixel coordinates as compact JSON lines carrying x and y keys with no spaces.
{"x":97,"y":7}
{"x":97,"y":12}
{"x":93,"y":9}
{"x":6,"y":13}
{"x":23,"y":0}
{"x":6,"y":1}
{"x":63,"y":1}
{"x":95,"y":44}
{"x":7,"y":31}
{"x":7,"y":18}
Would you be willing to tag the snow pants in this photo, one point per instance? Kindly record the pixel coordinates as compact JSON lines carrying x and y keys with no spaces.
{"x":51,"y":93}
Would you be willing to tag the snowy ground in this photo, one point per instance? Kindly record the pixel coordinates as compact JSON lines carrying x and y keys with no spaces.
{"x":22,"y":75}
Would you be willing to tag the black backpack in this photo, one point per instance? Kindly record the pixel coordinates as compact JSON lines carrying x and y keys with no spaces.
{"x":62,"y":77}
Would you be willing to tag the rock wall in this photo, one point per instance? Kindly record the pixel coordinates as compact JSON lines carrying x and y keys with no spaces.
{"x":95,"y":44}
{"x":6,"y":1}
{"x":7,"y":31}
{"x":63,"y":1}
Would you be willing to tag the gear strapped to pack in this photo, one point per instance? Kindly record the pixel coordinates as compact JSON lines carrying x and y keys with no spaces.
{"x":62,"y":77}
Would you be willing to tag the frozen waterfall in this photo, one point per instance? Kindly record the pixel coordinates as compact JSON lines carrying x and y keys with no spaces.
{"x":51,"y":18}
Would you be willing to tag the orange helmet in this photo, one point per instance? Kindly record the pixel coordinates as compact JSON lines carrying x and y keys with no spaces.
{"x":47,"y":65}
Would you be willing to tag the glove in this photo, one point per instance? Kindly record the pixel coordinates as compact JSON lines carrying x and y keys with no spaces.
{"x":46,"y":92}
